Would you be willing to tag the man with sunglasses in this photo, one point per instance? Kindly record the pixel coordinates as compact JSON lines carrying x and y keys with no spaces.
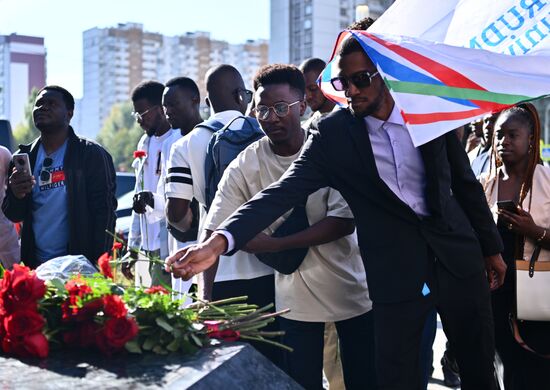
{"x":332,"y":262}
{"x":147,"y":234}
{"x":67,"y":202}
{"x":423,"y":224}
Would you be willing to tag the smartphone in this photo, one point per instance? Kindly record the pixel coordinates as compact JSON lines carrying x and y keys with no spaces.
{"x":22,"y":162}
{"x":508,"y":205}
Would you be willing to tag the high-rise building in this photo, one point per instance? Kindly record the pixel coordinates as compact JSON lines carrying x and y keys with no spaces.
{"x":302,"y":29}
{"x":117,"y":59}
{"x":22,"y":68}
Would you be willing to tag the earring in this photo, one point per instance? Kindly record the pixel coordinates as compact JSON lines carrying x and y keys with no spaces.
{"x":530,"y":148}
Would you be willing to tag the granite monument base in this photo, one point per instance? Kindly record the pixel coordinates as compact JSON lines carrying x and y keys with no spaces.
{"x":226,"y":366}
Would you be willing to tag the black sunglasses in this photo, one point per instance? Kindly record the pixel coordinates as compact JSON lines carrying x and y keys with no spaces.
{"x":44,"y":173}
{"x":360,"y":80}
{"x":246,"y":96}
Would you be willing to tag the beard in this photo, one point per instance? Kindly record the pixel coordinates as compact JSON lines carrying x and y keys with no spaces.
{"x":151,"y":132}
{"x":369,"y":109}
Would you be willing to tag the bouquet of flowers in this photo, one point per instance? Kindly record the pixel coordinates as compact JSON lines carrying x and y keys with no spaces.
{"x":95,"y":312}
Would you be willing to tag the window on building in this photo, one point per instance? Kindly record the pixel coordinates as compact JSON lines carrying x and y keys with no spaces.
{"x":308,"y":9}
{"x":307,"y":24}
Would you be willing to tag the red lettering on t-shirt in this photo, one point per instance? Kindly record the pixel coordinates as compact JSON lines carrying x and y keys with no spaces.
{"x":58,"y":176}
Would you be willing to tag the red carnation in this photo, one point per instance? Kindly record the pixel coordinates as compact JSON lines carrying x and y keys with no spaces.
{"x":87,"y":311}
{"x":213,"y":331}
{"x":82,"y":336}
{"x":23,"y":322}
{"x":78,"y":287}
{"x":114,"y":306}
{"x":156,"y":290}
{"x":32,"y":345}
{"x":140,"y":154}
{"x":20,"y":288}
{"x":105,"y":266}
{"x":117,"y":245}
{"x":116,"y":333}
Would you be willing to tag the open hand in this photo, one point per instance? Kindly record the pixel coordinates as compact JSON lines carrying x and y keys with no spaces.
{"x":197,"y":258}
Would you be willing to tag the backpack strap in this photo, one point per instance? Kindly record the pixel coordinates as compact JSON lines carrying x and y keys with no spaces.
{"x":248,"y":120}
{"x":213,"y":125}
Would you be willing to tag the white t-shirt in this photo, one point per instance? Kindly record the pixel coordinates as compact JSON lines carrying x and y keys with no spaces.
{"x":330,"y":284}
{"x":9,"y":244}
{"x":186,"y":181}
{"x":148,"y":173}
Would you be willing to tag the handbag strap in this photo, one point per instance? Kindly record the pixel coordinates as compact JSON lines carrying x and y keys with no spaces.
{"x":519,"y":339}
{"x":534,"y":258}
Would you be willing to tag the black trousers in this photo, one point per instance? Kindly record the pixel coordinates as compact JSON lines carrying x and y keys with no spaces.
{"x":305,"y":363}
{"x":261,"y":292}
{"x":522,"y":369}
{"x":465,"y":309}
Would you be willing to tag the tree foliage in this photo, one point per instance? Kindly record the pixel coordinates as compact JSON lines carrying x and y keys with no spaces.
{"x":25,"y":132}
{"x":120,"y":135}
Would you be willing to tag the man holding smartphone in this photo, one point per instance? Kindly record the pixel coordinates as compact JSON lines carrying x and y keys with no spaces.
{"x":65,"y":196}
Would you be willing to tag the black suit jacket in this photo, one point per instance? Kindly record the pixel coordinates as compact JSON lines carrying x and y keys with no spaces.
{"x":91,"y":184}
{"x":395,"y":243}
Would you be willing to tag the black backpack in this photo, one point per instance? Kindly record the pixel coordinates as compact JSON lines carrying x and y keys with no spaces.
{"x":224,"y":146}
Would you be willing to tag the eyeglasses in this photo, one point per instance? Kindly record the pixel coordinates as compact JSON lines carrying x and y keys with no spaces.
{"x":45,"y":175}
{"x":247,"y":96}
{"x":138,"y":116}
{"x":360,"y":80}
{"x":280,"y":109}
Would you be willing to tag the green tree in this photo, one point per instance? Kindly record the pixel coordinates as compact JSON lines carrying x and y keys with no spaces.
{"x":120,"y":135}
{"x":25,"y":132}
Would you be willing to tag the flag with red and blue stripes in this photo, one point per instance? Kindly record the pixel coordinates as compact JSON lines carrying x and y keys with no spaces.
{"x":438,"y":87}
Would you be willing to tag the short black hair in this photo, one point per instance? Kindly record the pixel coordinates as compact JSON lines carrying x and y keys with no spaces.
{"x":68,"y":99}
{"x":350,"y":45}
{"x":362,"y":24}
{"x":149,"y":90}
{"x":280,"y":74}
{"x":313,"y":64}
{"x":185,"y":83}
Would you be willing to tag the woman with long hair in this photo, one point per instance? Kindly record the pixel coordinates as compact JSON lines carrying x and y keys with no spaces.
{"x":517,"y":188}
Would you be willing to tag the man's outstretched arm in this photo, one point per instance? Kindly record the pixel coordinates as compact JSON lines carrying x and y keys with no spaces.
{"x":306,"y":175}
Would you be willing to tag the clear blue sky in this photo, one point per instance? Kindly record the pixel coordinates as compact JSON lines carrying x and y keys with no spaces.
{"x":61,"y":23}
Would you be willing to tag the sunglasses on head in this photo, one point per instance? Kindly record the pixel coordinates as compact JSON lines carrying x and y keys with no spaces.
{"x":360,"y":80}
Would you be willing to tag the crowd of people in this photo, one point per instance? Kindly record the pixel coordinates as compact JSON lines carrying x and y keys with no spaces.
{"x":333,"y":214}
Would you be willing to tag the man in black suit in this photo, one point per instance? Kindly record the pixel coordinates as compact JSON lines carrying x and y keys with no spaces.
{"x":423,"y":224}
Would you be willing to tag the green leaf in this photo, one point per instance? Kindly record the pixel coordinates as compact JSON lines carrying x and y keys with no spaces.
{"x":150,"y":342}
{"x":133,"y":347}
{"x":159,"y":350}
{"x":174,"y":345}
{"x":163,"y":324}
{"x":58,"y":285}
{"x":196,"y":339}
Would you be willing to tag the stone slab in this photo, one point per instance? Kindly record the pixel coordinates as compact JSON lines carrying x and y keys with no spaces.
{"x":227,"y":366}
